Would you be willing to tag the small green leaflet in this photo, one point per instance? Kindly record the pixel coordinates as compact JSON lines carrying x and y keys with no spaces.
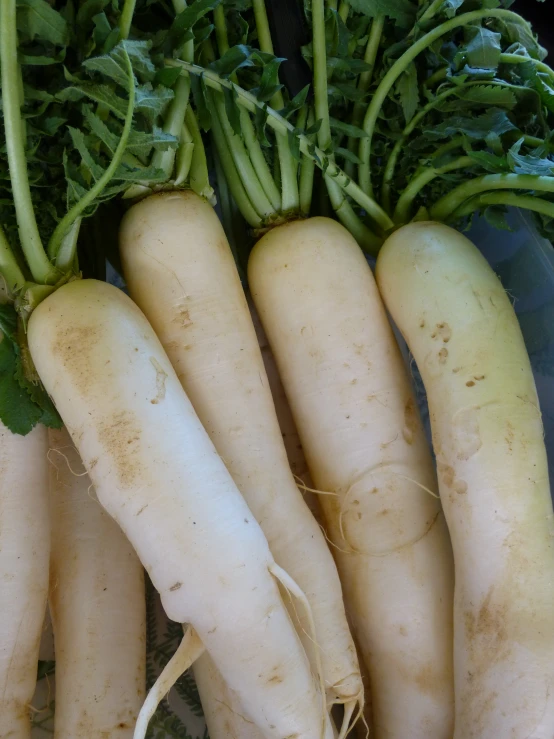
{"x":495,"y":215}
{"x":152,"y":101}
{"x":347,"y":128}
{"x":407,"y":89}
{"x":37,"y":19}
{"x":402,"y":11}
{"x":186,"y":20}
{"x":22,"y":403}
{"x":493,"y":122}
{"x":482,"y":48}
{"x":232,"y":109}
{"x":534,"y":164}
{"x":449,"y":7}
{"x":101,"y":94}
{"x":490,"y":162}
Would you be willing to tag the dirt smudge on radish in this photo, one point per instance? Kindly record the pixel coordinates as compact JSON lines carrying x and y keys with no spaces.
{"x":120,"y":433}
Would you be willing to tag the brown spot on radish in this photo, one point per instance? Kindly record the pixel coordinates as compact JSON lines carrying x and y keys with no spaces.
{"x":470,"y":383}
{"x":410,"y":421}
{"x":428,"y":680}
{"x":443,"y":355}
{"x":402,"y":631}
{"x":466,"y":433}
{"x":182,"y":317}
{"x":161,"y":377}
{"x":455,"y":370}
{"x":175,"y":587}
{"x":446,"y":473}
{"x":422,"y":323}
{"x":460,"y":486}
{"x":442,"y":331}
{"x":275,"y":680}
{"x":119,"y":434}
{"x":92,"y":464}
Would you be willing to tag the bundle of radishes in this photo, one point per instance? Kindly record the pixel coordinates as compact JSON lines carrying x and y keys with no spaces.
{"x":242,"y":425}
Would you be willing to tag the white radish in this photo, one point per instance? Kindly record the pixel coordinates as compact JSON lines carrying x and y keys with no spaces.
{"x":353,"y":405}
{"x":222,"y":710}
{"x":180,"y":271}
{"x":289,"y":432}
{"x":24,"y":552}
{"x":157,"y":473}
{"x":493,"y":476}
{"x":97,"y":606}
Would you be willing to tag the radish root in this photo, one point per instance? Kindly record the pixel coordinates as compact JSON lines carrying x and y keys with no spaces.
{"x":293,"y":590}
{"x":188,"y":651}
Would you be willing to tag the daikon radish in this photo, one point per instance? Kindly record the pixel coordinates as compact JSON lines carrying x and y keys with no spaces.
{"x":157,"y":473}
{"x":97,"y":605}
{"x":180,"y":271}
{"x":357,"y":418}
{"x":24,"y":552}
{"x":493,"y":476}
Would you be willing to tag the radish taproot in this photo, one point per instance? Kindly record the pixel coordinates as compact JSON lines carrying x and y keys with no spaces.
{"x":493,"y":477}
{"x":157,"y":473}
{"x":24,"y":552}
{"x":180,"y":271}
{"x":97,"y":605}
{"x":356,"y":415}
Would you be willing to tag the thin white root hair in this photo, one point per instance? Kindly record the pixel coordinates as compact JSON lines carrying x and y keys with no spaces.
{"x":69,"y":467}
{"x":188,"y":651}
{"x":415,"y":482}
{"x":348,"y":723}
{"x":332,"y":543}
{"x":293,"y":589}
{"x":302,"y":485}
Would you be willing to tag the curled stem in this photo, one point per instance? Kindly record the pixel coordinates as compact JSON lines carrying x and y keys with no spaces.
{"x":512,"y":199}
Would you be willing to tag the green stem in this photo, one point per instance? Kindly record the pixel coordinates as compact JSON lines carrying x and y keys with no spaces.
{"x":437,"y":76}
{"x":221,"y":36}
{"x":231,"y":173}
{"x":126,"y":18}
{"x":419,"y":181}
{"x":173,"y":124}
{"x":364,"y":82}
{"x":229,"y":215}
{"x":321,"y":100}
{"x":199,"y":177}
{"x":281,"y":126}
{"x":259,"y":161}
{"x":512,"y":199}
{"x":41,"y":268}
{"x":517,"y":59}
{"x":307,"y":166}
{"x":183,"y":160}
{"x":344,"y":10}
{"x":367,"y":240}
{"x":65,"y":258}
{"x":428,"y":14}
{"x":9,"y":268}
{"x":244,"y":166}
{"x":401,"y":64}
{"x":187,"y":52}
{"x":289,"y":180}
{"x":448,"y":204}
{"x":78,"y":209}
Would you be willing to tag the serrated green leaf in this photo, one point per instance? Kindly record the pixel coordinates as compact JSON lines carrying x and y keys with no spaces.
{"x":97,"y":126}
{"x":490,"y":162}
{"x":141,"y":143}
{"x":87,"y":159}
{"x":167,"y":76}
{"x":101,"y":94}
{"x":152,"y":101}
{"x":531,"y":163}
{"x":341,"y":35}
{"x":112,"y":65}
{"x":139,"y":54}
{"x":297,"y":102}
{"x":495,"y":95}
{"x":269,"y":82}
{"x":37,"y":19}
{"x":294,"y":144}
{"x":88,"y":10}
{"x":407,"y":89}
{"x":495,"y":215}
{"x":260,"y":120}
{"x":493,"y":122}
{"x":402,"y":11}
{"x":102,"y":29}
{"x":482,"y":48}
{"x":350,"y":156}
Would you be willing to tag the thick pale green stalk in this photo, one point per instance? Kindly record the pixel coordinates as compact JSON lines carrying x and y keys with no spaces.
{"x":233,"y":178}
{"x":259,"y":162}
{"x":512,"y":199}
{"x":368,"y":241}
{"x":281,"y":125}
{"x":344,"y":10}
{"x":289,"y":181}
{"x":173,"y":124}
{"x":403,"y":209}
{"x":199,"y":177}
{"x":78,"y":209}
{"x":307,"y":166}
{"x":443,"y":209}
{"x":9,"y":268}
{"x":126,"y":18}
{"x":401,"y":64}
{"x":41,"y":268}
{"x":183,"y":160}
{"x":244,"y":166}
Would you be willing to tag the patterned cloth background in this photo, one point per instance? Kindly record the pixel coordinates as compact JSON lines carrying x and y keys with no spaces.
{"x":525,"y":264}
